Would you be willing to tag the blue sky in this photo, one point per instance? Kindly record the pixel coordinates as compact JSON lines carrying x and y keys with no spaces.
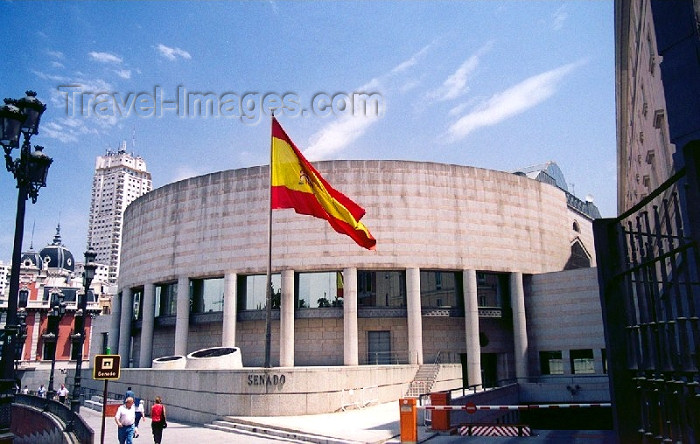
{"x":492,"y":84}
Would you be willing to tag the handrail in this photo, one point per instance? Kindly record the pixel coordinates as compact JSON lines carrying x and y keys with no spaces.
{"x":73,"y":422}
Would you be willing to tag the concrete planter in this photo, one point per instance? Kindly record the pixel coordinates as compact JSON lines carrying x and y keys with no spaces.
{"x":169,"y":362}
{"x":215,"y":358}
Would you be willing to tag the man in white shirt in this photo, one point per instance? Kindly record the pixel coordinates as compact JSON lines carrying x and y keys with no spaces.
{"x":125,"y":418}
{"x":62,"y":393}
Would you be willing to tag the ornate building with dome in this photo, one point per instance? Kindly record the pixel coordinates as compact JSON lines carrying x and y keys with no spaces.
{"x":50,"y":284}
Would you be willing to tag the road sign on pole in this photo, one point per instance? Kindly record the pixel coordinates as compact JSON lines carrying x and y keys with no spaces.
{"x":107,"y":367}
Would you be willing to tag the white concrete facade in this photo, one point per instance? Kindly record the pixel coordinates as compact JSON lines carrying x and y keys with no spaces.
{"x":119,"y":179}
{"x":426,"y":217}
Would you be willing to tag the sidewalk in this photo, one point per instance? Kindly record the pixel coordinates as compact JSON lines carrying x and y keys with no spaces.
{"x":374,"y":424}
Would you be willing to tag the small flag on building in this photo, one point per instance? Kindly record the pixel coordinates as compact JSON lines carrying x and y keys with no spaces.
{"x":296,"y":184}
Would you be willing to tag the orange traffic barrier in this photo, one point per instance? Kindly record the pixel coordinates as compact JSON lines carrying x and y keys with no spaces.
{"x":408,"y":420}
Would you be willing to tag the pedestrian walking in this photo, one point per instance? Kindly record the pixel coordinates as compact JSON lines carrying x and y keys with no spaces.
{"x":125,"y":419}
{"x":62,"y":393}
{"x":158,"y":422}
{"x":42,"y":391}
{"x":140,"y":414}
{"x":129,"y":394}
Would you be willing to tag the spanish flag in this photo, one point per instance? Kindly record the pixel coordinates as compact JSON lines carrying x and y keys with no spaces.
{"x":296,"y":184}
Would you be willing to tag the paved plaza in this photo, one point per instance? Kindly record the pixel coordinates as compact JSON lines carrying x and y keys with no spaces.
{"x":374,"y":424}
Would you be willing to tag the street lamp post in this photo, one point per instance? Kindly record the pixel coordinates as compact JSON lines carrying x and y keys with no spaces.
{"x":80,"y":315}
{"x":58,"y":309}
{"x":18,"y":117}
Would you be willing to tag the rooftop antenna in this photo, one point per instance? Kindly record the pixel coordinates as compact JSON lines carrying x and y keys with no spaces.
{"x":31,"y":242}
{"x":573,"y":188}
{"x":133,"y":138}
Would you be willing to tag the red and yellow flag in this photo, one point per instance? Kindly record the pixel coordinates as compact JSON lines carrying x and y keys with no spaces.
{"x":296,"y":184}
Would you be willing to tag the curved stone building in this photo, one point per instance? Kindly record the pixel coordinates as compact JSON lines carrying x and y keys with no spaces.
{"x":456,"y":249}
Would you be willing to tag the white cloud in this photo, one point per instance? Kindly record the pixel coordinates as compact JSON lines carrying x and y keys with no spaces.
{"x":185,"y":172}
{"x":55,"y":54}
{"x":455,"y":84}
{"x":560,"y":16}
{"x":105,"y":57}
{"x":172,"y":53}
{"x":515,"y":100}
{"x":57,"y":65}
{"x":335,"y":136}
{"x":124,"y":73}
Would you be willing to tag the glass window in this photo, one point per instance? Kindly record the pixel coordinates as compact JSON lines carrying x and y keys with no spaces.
{"x":605,"y":360}
{"x":381,"y":288}
{"x":491,"y":288}
{"x":207,"y":295}
{"x":166,"y":299}
{"x":49,"y":351}
{"x":137,"y":296}
{"x":75,"y":351}
{"x":551,"y":363}
{"x":581,"y":361}
{"x":319,"y":289}
{"x":252,"y":294}
{"x":441,"y":289}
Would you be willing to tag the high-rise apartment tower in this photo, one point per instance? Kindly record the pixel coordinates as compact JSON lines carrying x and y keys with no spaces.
{"x":119,"y":179}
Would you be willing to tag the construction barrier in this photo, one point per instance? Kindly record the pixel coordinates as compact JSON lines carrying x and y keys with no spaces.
{"x":408,"y":420}
{"x":408,"y":415}
{"x":494,"y":430}
{"x":440,"y":420}
{"x":515,"y":407}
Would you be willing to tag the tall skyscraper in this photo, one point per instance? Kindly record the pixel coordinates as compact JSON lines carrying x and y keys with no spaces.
{"x":119,"y":179}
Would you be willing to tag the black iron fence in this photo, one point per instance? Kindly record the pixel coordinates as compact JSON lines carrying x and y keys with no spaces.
{"x":649,"y":276}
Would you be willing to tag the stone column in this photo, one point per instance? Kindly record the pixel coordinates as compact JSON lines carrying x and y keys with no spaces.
{"x":413,"y":311}
{"x":350,"y":339}
{"x":287,"y":320}
{"x":125,"y":327}
{"x":182,"y":315}
{"x":517,"y":302}
{"x":228,"y":334}
{"x":147,"y":321}
{"x":471,"y":327}
{"x":115,"y":324}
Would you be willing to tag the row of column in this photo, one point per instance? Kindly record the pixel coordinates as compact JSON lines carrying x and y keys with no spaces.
{"x":120,"y":334}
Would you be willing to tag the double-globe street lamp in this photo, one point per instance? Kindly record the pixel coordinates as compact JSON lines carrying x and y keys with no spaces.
{"x":58,"y":310}
{"x":78,"y":336}
{"x":18,"y":118}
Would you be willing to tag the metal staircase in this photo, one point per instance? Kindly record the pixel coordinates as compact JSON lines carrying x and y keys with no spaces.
{"x":423,"y":381}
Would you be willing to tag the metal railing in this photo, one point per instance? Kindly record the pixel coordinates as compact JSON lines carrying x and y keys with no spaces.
{"x":649,"y":276}
{"x":73,"y":423}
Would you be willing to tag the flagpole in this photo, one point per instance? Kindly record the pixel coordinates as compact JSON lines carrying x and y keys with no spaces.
{"x":268,"y":287}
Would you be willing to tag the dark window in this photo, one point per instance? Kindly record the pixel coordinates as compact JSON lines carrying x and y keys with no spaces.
{"x":581,"y":361}
{"x":49,"y":351}
{"x":207,"y":295}
{"x":166,"y":299}
{"x":551,"y":363}
{"x":381,"y":288}
{"x":75,"y":351}
{"x":137,"y":300}
{"x":604,"y":356}
{"x":491,"y":288}
{"x":252,"y":293}
{"x":315,"y":290}
{"x":441,"y":289}
{"x":379,"y":347}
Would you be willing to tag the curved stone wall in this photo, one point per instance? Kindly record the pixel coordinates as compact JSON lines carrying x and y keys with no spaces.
{"x":426,"y":215}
